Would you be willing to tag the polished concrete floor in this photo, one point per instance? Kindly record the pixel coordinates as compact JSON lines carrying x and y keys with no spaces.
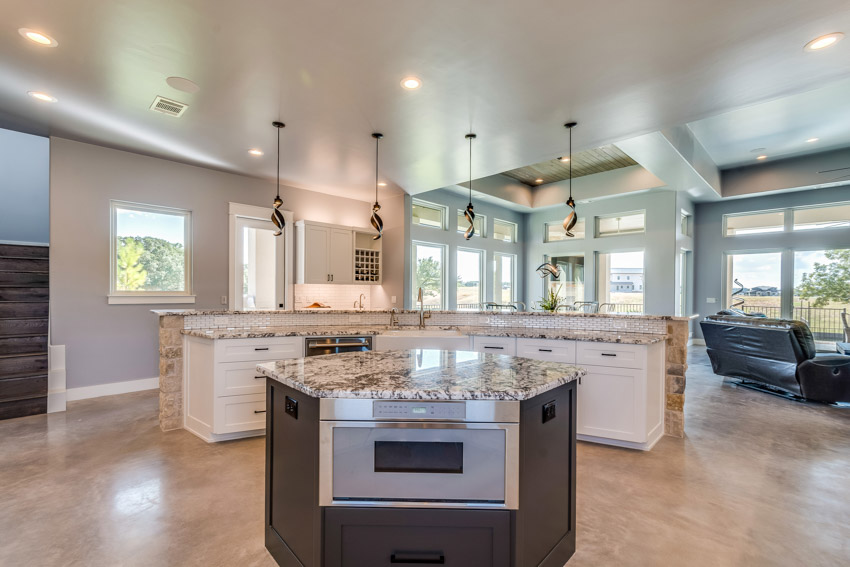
{"x":758,"y":481}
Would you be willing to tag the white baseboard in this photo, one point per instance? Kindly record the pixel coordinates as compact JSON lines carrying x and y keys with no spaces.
{"x":696,"y":342}
{"x":56,"y":394}
{"x":86,"y":392}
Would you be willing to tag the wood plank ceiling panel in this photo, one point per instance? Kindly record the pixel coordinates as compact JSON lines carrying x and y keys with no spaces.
{"x":588,"y":162}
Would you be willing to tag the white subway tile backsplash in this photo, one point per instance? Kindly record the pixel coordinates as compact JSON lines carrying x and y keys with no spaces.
{"x":335,"y":295}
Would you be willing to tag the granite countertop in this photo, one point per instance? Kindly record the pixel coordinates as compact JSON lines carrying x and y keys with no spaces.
{"x":420,"y":374}
{"x":518,"y":332}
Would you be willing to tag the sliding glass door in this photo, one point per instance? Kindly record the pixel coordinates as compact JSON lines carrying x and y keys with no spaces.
{"x":754,"y":283}
{"x":822,"y":291}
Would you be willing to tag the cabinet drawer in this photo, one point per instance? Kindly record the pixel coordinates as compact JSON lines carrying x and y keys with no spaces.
{"x":395,"y":537}
{"x":239,"y":378}
{"x":240,"y":413}
{"x":275,"y":348}
{"x":611,"y":354}
{"x":495,"y":345}
{"x":552,"y":350}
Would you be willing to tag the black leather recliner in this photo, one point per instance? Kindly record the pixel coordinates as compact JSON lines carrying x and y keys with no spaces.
{"x":778,"y":353}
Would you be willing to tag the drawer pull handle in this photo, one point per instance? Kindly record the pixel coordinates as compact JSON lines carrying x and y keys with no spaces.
{"x":262,"y":348}
{"x":608,"y":354}
{"x":496,"y":347}
{"x":544,"y":350}
{"x":258,"y":377}
{"x":418,"y":558}
{"x":259,"y":411}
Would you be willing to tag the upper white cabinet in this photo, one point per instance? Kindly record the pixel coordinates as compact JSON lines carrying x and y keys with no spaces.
{"x":326,"y":255}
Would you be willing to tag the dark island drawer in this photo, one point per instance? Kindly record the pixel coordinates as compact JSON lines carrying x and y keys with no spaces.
{"x":398,"y":537}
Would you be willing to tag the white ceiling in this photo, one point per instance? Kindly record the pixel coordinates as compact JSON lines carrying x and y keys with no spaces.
{"x":780,"y":127}
{"x":513,"y":72}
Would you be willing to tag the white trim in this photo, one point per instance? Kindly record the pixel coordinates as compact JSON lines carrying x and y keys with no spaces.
{"x":113,"y":388}
{"x":148,"y":299}
{"x":19,"y":243}
{"x":56,"y":394}
{"x":251,"y":211}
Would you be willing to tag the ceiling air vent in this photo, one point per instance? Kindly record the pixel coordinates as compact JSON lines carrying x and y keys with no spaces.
{"x":168,"y":106}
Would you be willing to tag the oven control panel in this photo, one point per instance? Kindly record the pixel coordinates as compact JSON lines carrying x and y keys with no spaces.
{"x":425,"y":409}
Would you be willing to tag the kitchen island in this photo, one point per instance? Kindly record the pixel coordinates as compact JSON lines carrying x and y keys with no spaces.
{"x":420,"y":457}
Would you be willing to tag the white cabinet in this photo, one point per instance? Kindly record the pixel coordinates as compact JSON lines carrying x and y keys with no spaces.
{"x":553,"y":350}
{"x":224,"y":395}
{"x":495,"y":345}
{"x":389,"y":342}
{"x":325,"y":254}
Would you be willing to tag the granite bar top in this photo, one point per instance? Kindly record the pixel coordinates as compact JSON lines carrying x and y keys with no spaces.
{"x":518,"y":332}
{"x":420,"y":374}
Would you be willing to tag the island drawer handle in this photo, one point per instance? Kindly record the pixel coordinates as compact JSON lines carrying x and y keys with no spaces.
{"x":496,"y":347}
{"x":260,"y":376}
{"x":544,"y":350}
{"x":259,"y":411}
{"x":608,"y":354}
{"x":334,"y":345}
{"x":262,"y":348}
{"x":420,"y":559}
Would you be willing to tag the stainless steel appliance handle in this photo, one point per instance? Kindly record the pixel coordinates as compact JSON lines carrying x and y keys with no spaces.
{"x":334,"y":345}
{"x":418,"y":558}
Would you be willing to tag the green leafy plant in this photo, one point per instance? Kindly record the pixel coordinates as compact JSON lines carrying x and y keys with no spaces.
{"x":550,"y":301}
{"x":131,"y":273}
{"x":828,"y":282}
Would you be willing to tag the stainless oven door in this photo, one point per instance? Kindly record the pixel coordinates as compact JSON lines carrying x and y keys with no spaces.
{"x":416,"y":464}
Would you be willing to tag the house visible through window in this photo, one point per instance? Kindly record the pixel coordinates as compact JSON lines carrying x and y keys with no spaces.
{"x":151,"y":252}
{"x":619,"y":282}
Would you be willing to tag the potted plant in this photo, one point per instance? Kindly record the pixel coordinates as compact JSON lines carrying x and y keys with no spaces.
{"x":550,"y":301}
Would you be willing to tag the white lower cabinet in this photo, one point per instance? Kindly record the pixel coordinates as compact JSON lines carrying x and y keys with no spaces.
{"x":224,"y":395}
{"x":495,"y":345}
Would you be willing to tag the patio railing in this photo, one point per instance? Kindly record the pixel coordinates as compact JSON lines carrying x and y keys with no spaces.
{"x":825,"y":322}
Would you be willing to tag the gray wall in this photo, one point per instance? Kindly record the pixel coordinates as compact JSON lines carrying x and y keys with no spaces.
{"x":658,"y":244}
{"x":114,"y":343}
{"x":453,"y":239}
{"x":24,"y":188}
{"x":711,"y":244}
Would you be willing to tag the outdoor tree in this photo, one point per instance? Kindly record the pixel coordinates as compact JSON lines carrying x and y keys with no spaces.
{"x":131,"y":273}
{"x":164,"y":262}
{"x":828,"y":282}
{"x":428,"y":274}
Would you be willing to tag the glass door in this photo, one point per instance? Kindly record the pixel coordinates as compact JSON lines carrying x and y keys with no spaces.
{"x":570,"y":285}
{"x":754,"y":283}
{"x":620,"y":282}
{"x":822,"y":292}
{"x":259,"y":265}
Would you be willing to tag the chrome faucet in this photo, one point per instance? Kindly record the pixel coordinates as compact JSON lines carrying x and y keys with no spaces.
{"x":360,"y":301}
{"x":422,"y":314}
{"x":393,"y":318}
{"x":523,"y":305}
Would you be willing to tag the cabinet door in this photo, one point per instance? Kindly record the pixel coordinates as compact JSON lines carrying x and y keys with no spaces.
{"x":612,"y":403}
{"x":341,"y":256}
{"x":316,"y":244}
{"x":547,"y":349}
{"x":495,"y":345}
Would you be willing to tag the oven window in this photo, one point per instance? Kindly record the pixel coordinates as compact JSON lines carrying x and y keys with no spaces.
{"x":418,"y":457}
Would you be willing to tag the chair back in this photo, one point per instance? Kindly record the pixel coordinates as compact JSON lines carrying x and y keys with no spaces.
{"x":845,"y":318}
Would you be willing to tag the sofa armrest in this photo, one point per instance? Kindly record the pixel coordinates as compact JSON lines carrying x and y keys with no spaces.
{"x":825,"y":378}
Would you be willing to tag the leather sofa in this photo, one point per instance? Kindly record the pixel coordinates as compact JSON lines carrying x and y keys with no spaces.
{"x":777,"y":353}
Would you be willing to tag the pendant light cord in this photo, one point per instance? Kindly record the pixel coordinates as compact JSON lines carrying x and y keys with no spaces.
{"x":278,"y":164}
{"x":377,"y":149}
{"x":571,"y":163}
{"x":470,"y":170}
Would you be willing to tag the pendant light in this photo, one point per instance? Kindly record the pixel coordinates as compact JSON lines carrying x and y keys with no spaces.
{"x":571,"y":219}
{"x":468,"y":212}
{"x":549,"y":269}
{"x":376,"y":220}
{"x":277,"y":216}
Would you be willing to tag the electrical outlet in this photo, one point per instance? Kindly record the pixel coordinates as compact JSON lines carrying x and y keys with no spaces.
{"x":224,"y":300}
{"x":711,"y":300}
{"x":392,"y":300}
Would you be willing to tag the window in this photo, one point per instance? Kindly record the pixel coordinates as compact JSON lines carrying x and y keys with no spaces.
{"x":480,"y":224}
{"x":626,"y":223}
{"x":150,"y":254}
{"x":619,"y":282}
{"x":754,"y":283}
{"x":570,"y":286}
{"x":822,"y":292}
{"x":814,"y":218}
{"x":682,"y":308}
{"x":504,"y":279}
{"x":470,"y":287}
{"x":754,"y":223}
{"x":685,"y":224}
{"x":555,"y":231}
{"x":428,"y":214}
{"x":429,"y":274}
{"x":504,"y":231}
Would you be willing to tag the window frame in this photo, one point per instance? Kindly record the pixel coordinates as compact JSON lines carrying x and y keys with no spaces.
{"x":790,"y":224}
{"x":498,"y":291}
{"x":444,"y":213}
{"x":482,"y":279}
{"x":482,"y":233}
{"x":514,"y":230}
{"x":443,"y":276}
{"x":597,"y":218}
{"x":727,"y":216}
{"x":546,"y":225}
{"x":150,"y":297}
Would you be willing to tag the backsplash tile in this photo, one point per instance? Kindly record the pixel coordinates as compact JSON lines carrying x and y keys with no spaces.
{"x":335,"y":295}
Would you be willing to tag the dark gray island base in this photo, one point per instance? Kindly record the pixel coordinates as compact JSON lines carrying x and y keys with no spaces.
{"x":535,"y":527}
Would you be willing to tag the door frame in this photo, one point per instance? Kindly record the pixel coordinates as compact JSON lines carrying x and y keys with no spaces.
{"x":238,"y":210}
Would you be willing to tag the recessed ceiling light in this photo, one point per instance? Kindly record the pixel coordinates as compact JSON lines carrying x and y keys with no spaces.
{"x":382,"y":184}
{"x":762,"y":157}
{"x":824,"y":41}
{"x":255,"y":152}
{"x":538,"y":180}
{"x":38,"y":37}
{"x":812,"y":140}
{"x":564,"y":159}
{"x":183,"y":84}
{"x":411,"y":83}
{"x":43,"y":97}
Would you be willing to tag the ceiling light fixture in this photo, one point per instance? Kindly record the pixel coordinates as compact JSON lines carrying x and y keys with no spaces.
{"x":43,"y":97}
{"x":812,"y":140}
{"x":411,"y":83}
{"x":376,"y":221}
{"x":468,"y":213}
{"x":564,"y":159}
{"x":38,"y":37}
{"x":538,"y":180}
{"x":277,"y":216}
{"x":382,"y":184}
{"x":549,"y":269}
{"x":571,"y":219}
{"x":255,"y":152}
{"x":762,"y":157}
{"x":824,"y":41}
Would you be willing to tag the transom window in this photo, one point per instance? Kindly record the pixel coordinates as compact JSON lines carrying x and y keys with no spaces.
{"x":554,"y":231}
{"x":428,"y":214}
{"x":504,"y":230}
{"x":754,"y":223}
{"x":624,"y":223}
{"x":480,"y":223}
{"x":150,"y":254}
